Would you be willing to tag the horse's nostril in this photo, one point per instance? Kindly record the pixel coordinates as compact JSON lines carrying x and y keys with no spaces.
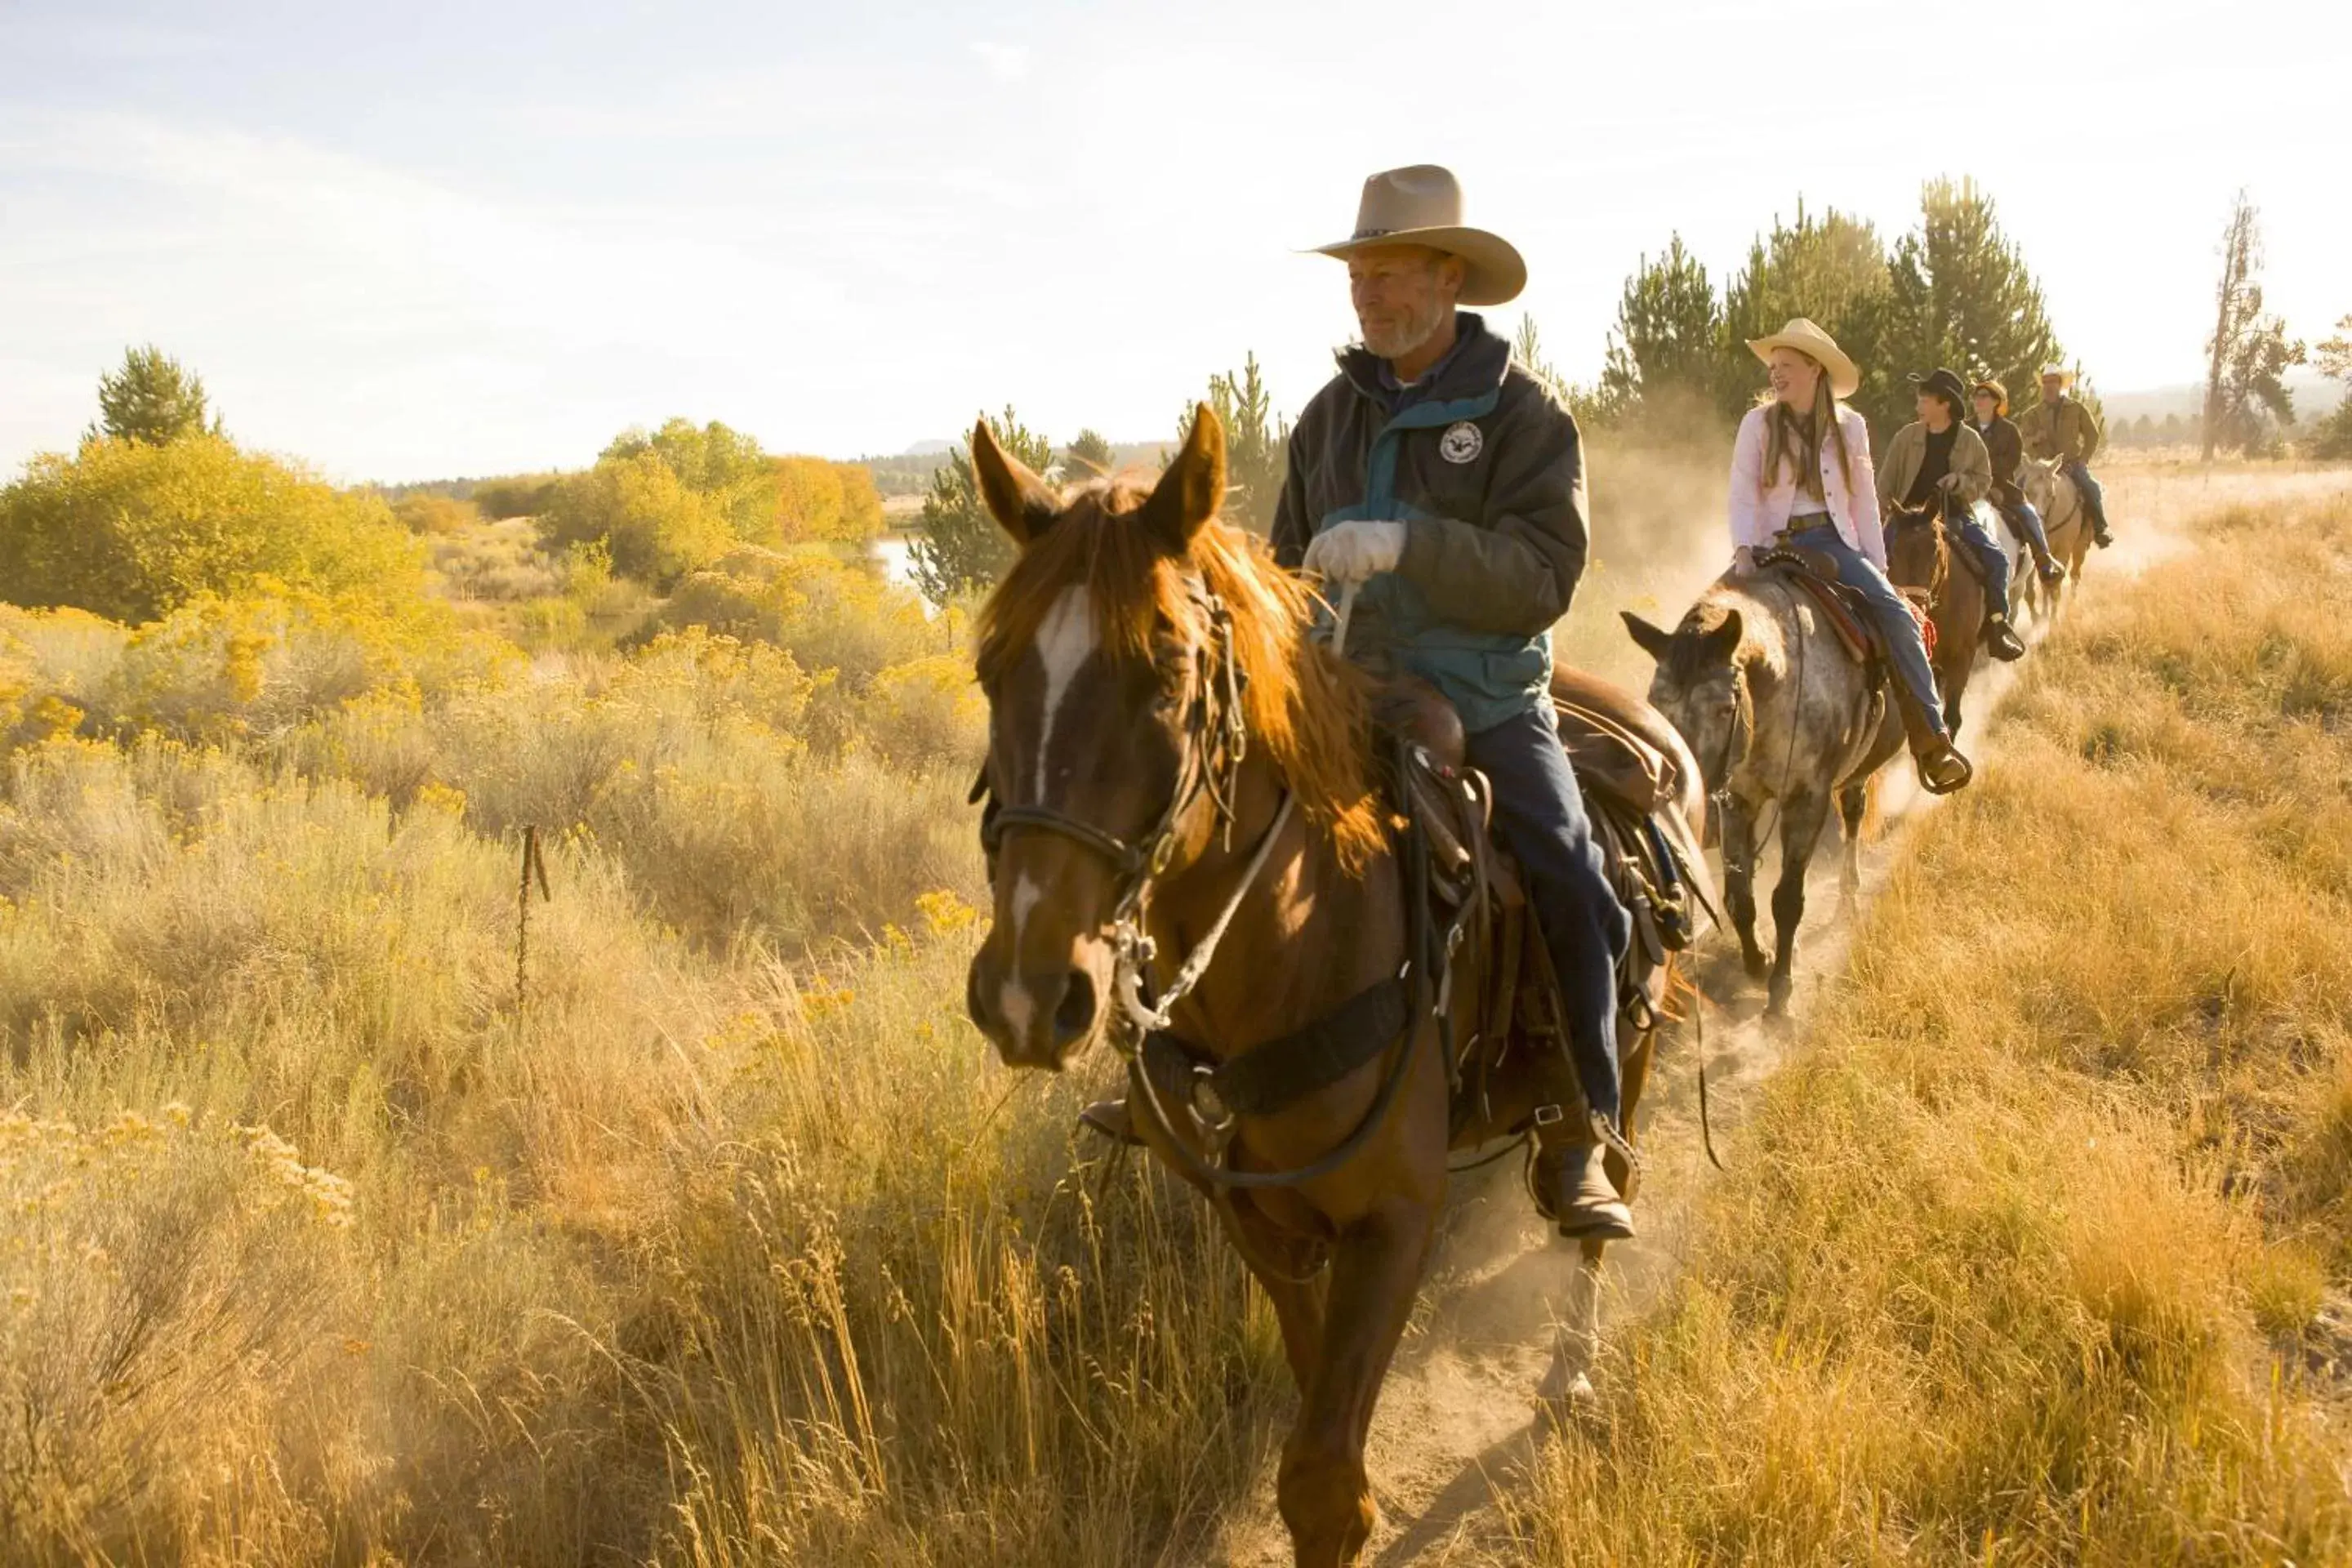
{"x":1075,"y":1015}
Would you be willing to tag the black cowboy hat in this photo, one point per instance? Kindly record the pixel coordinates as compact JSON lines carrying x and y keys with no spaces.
{"x":1944,"y":383}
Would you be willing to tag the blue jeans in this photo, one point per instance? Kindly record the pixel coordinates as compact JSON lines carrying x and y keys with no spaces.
{"x":1541,"y":813}
{"x":2094,"y":499}
{"x":1857,"y":572}
{"x":1962,"y":523}
{"x":2028,"y":525}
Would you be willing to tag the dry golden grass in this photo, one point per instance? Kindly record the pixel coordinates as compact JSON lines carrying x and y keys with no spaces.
{"x":730,"y":1247}
{"x":2024,"y":1256}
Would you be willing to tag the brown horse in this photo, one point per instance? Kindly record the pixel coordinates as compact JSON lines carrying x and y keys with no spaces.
{"x":1177,"y":768}
{"x":1919,"y":559}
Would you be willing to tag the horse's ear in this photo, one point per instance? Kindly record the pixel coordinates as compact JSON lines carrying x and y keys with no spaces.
{"x":1194,"y":488}
{"x":1722,"y":639}
{"x":1653,"y":640}
{"x":1016,"y":498}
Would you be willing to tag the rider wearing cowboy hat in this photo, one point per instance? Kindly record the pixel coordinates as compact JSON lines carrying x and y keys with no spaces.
{"x":1447,"y":482}
{"x":1938,"y":460}
{"x":1800,"y":478}
{"x":2058,"y":426}
{"x":2007,"y":448}
{"x":1450,"y":482}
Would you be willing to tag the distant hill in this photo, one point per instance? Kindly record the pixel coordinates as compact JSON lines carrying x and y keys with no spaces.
{"x":908,"y":473}
{"x":2314,"y":395}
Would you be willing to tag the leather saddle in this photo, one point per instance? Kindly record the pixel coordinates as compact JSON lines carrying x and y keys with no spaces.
{"x":1814,"y":573}
{"x":1629,"y":767}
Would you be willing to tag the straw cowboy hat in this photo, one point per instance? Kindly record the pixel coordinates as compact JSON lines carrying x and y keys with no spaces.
{"x":2065,"y":377}
{"x":2000,"y":395}
{"x":1422,"y":206}
{"x":1816,"y":345}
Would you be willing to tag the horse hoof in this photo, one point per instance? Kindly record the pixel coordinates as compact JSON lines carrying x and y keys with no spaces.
{"x":1757,"y":965}
{"x":1566,"y":1397}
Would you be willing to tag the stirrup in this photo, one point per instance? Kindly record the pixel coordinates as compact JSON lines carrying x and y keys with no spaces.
{"x":1945,"y":753}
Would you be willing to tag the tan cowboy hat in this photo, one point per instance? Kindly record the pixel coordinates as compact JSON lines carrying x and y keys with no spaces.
{"x":1816,"y":345}
{"x":2065,"y":377}
{"x":1422,"y":206}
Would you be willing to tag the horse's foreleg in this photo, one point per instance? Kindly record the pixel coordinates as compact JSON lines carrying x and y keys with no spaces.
{"x":1279,"y":1265}
{"x":1325,"y":1497}
{"x":1576,"y":1338}
{"x":1739,"y":881}
{"x":1802,"y":817}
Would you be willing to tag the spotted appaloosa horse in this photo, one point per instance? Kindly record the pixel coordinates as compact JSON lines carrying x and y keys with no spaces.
{"x":1778,"y":713}
{"x":1172,"y":760}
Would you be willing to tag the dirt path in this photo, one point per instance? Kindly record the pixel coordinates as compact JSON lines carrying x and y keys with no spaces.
{"x":1457,"y":1418}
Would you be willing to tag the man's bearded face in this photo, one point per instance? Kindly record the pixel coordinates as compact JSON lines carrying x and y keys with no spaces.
{"x":1403,"y":294}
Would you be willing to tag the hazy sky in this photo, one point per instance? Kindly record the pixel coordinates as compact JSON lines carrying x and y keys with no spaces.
{"x":437,"y":239}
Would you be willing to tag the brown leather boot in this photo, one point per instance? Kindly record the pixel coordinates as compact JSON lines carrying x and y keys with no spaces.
{"x":2000,"y":640}
{"x":1110,"y":1117}
{"x":1573,"y":1191}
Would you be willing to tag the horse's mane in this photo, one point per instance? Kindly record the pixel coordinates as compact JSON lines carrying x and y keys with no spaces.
{"x":1310,"y":711}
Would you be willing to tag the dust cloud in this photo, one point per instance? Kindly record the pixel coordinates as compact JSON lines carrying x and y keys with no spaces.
{"x":1659,"y":537}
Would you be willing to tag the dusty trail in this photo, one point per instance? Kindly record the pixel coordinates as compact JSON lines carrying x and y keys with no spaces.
{"x":1458,"y":1417}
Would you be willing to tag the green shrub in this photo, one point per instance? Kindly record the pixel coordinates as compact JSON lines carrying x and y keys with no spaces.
{"x":655,"y":526}
{"x":518,"y":495}
{"x":432,"y":515}
{"x":128,"y":530}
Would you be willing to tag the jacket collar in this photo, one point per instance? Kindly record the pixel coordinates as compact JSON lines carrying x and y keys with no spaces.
{"x":1473,"y":368}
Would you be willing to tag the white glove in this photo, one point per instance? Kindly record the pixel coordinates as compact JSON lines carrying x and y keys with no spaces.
{"x":1351,"y":552}
{"x":1743,"y":562}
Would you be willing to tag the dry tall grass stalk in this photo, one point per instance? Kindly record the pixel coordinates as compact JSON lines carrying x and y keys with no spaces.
{"x":2023,"y":1258}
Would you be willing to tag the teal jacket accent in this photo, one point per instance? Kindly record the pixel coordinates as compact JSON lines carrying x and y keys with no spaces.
{"x":1485,"y":469}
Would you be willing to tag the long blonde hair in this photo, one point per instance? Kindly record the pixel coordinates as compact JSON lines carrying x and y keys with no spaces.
{"x":1800,"y":442}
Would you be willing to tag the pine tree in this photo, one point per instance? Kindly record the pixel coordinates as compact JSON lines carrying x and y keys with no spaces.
{"x":1257,"y":445}
{"x":1963,"y":297}
{"x":2249,"y":352}
{"x":152,"y":399}
{"x":1830,"y":269}
{"x":1664,"y":352}
{"x":958,"y":546}
{"x":1087,"y":457}
{"x":2333,"y":438}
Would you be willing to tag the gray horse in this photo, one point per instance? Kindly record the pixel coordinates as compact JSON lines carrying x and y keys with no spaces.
{"x":1775,"y":710}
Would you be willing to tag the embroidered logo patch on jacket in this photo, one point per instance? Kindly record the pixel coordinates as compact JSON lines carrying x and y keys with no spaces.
{"x":1461,"y":443}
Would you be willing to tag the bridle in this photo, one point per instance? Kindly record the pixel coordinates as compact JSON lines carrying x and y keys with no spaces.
{"x":1216,"y":744}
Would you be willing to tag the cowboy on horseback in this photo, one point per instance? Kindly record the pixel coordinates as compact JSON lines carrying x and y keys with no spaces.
{"x":2007,"y":448}
{"x":1447,"y":484}
{"x":1938,"y":461}
{"x":1800,"y":478}
{"x":1450,"y":484}
{"x":2059,"y":427}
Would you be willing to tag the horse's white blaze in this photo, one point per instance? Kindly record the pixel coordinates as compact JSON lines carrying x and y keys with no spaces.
{"x":1064,"y":639}
{"x":1025,"y":894}
{"x":1018,"y":1007}
{"x":1015,"y":1003}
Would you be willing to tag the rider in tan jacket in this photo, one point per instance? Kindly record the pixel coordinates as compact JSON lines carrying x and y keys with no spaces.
{"x":2060,"y":428}
{"x":1938,"y":461}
